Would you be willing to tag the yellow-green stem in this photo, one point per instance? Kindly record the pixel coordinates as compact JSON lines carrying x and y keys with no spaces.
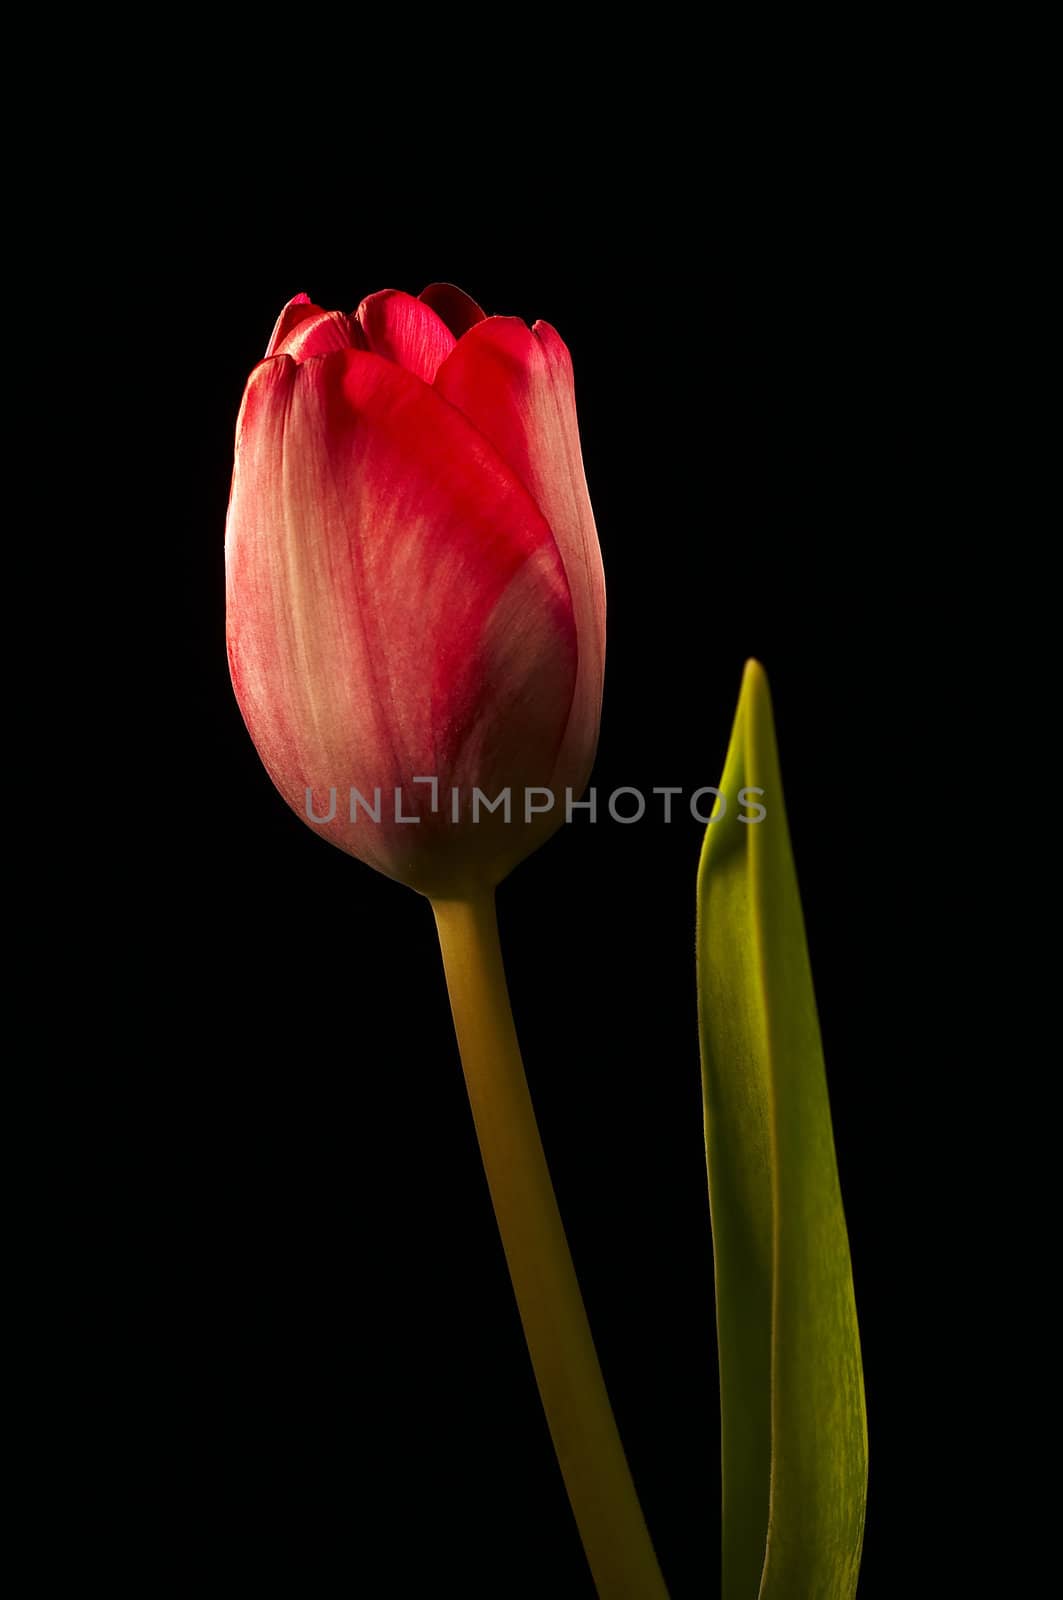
{"x":570,"y":1381}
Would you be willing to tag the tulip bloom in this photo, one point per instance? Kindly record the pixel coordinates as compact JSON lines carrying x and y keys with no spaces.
{"x":414,"y":583}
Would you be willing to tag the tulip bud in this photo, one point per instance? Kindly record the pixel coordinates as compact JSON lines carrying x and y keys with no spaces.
{"x":414,"y":585}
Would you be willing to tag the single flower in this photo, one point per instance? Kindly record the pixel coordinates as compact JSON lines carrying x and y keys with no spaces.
{"x":414,"y":584}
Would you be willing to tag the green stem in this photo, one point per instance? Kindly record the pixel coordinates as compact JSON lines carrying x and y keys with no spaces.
{"x":570,"y":1381}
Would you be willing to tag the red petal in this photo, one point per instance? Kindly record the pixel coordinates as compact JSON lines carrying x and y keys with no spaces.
{"x":304,"y":330}
{"x":515,"y":384}
{"x":406,"y":331}
{"x":299,"y":307}
{"x":396,"y":606}
{"x":457,"y":309}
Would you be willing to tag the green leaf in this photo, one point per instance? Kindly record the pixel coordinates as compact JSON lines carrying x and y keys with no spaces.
{"x":791,"y":1381}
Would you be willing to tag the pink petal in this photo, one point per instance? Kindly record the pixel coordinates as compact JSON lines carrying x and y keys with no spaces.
{"x":304,"y":330}
{"x":515,"y":385}
{"x":299,"y":307}
{"x":457,"y":309}
{"x":406,"y":331}
{"x":396,"y":608}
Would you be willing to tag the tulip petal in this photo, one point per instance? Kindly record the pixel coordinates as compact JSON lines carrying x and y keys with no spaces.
{"x":397,"y":606}
{"x":458,"y":310}
{"x":299,"y":307}
{"x":304,"y":330}
{"x":515,"y":385}
{"x":406,"y":331}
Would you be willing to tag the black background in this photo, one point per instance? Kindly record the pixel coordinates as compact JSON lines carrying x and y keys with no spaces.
{"x":316,"y":1365}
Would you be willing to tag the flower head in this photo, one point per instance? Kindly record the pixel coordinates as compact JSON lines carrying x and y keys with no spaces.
{"x":414,"y":583}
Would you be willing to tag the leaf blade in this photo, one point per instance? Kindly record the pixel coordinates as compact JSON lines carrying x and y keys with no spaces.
{"x":794,"y":1433}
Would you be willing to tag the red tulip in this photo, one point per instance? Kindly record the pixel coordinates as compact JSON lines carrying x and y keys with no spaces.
{"x":414,"y":584}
